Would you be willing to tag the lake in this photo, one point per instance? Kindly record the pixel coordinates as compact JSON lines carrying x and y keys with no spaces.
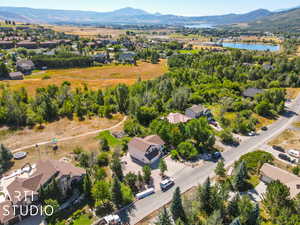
{"x":200,"y":25}
{"x":258,"y":47}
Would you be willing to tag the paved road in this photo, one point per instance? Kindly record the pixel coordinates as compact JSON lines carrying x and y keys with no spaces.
{"x":71,"y":137}
{"x":190,"y":177}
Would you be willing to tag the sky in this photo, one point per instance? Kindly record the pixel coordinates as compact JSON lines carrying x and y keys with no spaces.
{"x":176,"y":7}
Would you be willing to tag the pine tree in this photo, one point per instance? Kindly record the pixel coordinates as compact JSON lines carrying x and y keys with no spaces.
{"x":239,"y":179}
{"x":163,"y":166}
{"x":205,"y":197}
{"x":233,"y":208}
{"x":164,"y":218}
{"x":215,"y":219}
{"x":104,"y":145}
{"x":220,"y":169}
{"x":116,"y":168}
{"x":116,"y":193}
{"x":87,"y":186}
{"x":177,"y":210}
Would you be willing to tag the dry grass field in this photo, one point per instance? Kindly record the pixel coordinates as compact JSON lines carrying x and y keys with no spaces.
{"x":94,"y":77}
{"x":88,"y":32}
{"x":292,"y":93}
{"x":289,"y":139}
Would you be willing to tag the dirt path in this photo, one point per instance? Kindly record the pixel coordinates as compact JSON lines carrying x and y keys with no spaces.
{"x":71,"y":137}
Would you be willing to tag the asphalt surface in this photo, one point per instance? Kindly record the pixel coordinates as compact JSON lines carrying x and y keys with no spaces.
{"x":189,"y":177}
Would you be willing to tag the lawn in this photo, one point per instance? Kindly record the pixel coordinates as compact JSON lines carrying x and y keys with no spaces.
{"x":254,"y":180}
{"x":94,"y":77}
{"x":83,"y":220}
{"x":112,"y":140}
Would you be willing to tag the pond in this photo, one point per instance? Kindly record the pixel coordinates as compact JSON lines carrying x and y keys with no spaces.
{"x":258,"y":47}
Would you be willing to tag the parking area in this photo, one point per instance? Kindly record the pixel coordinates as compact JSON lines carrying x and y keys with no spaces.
{"x":174,"y":167}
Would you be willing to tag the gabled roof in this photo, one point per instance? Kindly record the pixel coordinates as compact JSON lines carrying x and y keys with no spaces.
{"x":197,"y":108}
{"x":177,"y":118}
{"x":251,"y":92}
{"x":289,"y":179}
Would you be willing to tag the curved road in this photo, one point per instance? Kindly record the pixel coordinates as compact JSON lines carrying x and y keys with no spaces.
{"x":71,"y":137}
{"x":190,"y":177}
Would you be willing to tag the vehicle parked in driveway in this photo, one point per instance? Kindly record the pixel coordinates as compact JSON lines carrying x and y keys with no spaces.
{"x":285,"y":157}
{"x":166,"y":184}
{"x":252,"y":133}
{"x":216,"y":156}
{"x":294,"y":153}
{"x":278,"y":148}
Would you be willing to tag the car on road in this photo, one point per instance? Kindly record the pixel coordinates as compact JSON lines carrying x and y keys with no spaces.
{"x":285,"y":157}
{"x":264,"y":128}
{"x":166,"y":184}
{"x":216,"y":156}
{"x":252,"y":133}
{"x":278,"y":148}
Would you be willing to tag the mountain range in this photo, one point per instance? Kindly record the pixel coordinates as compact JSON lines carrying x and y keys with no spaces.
{"x":257,"y":18}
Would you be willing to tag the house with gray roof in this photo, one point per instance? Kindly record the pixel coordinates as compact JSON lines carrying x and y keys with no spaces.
{"x":196,"y":111}
{"x":16,"y":75}
{"x":252,"y":92}
{"x":146,"y":150}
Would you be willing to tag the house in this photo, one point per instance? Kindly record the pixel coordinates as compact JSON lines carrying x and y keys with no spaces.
{"x":25,"y":66}
{"x":146,"y":150}
{"x":16,"y":75}
{"x":271,"y":173}
{"x":6,"y":44}
{"x":101,"y":58}
{"x":28,"y":181}
{"x":196,"y":111}
{"x":251,"y":92}
{"x":49,"y":44}
{"x":127,"y":57}
{"x":7,"y":215}
{"x":175,"y":118}
{"x":27,"y":44}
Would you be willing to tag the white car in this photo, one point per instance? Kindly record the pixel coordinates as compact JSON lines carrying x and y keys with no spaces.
{"x":166,"y":184}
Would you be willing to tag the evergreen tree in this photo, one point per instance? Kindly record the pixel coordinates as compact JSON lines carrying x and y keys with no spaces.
{"x":220,"y":169}
{"x":239,"y":179}
{"x":233,"y":208}
{"x":164,"y":218}
{"x":5,"y":158}
{"x":87,"y":186}
{"x":116,"y":193}
{"x":3,"y":70}
{"x":116,"y":168}
{"x":215,"y":219}
{"x":104,"y":145}
{"x":147,"y":174}
{"x":177,"y":210}
{"x":163,"y":166}
{"x":205,"y":197}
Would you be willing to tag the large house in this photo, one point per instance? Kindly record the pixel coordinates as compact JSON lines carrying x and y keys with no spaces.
{"x":25,"y":66}
{"x":196,"y":111}
{"x":271,"y":173}
{"x":16,"y":75}
{"x":146,"y":150}
{"x":175,"y":118}
{"x":30,"y":180}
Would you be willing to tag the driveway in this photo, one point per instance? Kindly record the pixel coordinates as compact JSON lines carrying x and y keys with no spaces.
{"x":189,"y":177}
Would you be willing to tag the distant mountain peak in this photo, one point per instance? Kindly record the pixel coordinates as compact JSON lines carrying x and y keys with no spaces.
{"x":130,"y":11}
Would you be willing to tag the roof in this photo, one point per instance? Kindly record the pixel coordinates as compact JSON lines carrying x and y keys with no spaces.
{"x":139,"y":147}
{"x":251,"y":92}
{"x":290,"y":180}
{"x":177,"y":118}
{"x":45,"y":170}
{"x":14,"y":75}
{"x":197,"y":108}
{"x":3,"y":217}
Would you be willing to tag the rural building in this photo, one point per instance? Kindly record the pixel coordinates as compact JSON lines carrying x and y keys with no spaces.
{"x":175,"y":118}
{"x":146,"y":150}
{"x":49,"y":44}
{"x":101,"y":58}
{"x":271,"y":173}
{"x":6,"y":44}
{"x":16,"y":76}
{"x":196,"y":111}
{"x":25,"y":66}
{"x":251,"y":92}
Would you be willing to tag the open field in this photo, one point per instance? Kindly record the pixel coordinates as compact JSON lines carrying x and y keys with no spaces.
{"x":289,"y":139}
{"x":94,"y":77}
{"x":59,"y":129}
{"x":88,"y":31}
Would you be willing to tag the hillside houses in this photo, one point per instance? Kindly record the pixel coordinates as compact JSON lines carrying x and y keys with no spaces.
{"x":25,"y":66}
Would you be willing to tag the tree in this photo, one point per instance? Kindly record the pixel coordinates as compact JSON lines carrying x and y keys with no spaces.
{"x":276,"y":198}
{"x":103,"y":159}
{"x":205,"y":197}
{"x":162,"y":166}
{"x":177,"y":210}
{"x":147,"y":174}
{"x":187,"y":150}
{"x":239,"y":179}
{"x":131,"y":179}
{"x":5,"y":159}
{"x":3,"y":71}
{"x":55,"y":206}
{"x":101,"y":191}
{"x":122,"y":97}
{"x":164,"y":218}
{"x":116,"y":193}
{"x":233,"y":207}
{"x":215,"y":218}
{"x":249,"y":213}
{"x":220,"y":169}
{"x":104,"y":207}
{"x":104,"y":145}
{"x":87,"y":186}
{"x":116,"y":168}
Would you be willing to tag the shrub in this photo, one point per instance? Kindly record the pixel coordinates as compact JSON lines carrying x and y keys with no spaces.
{"x":103,"y":159}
